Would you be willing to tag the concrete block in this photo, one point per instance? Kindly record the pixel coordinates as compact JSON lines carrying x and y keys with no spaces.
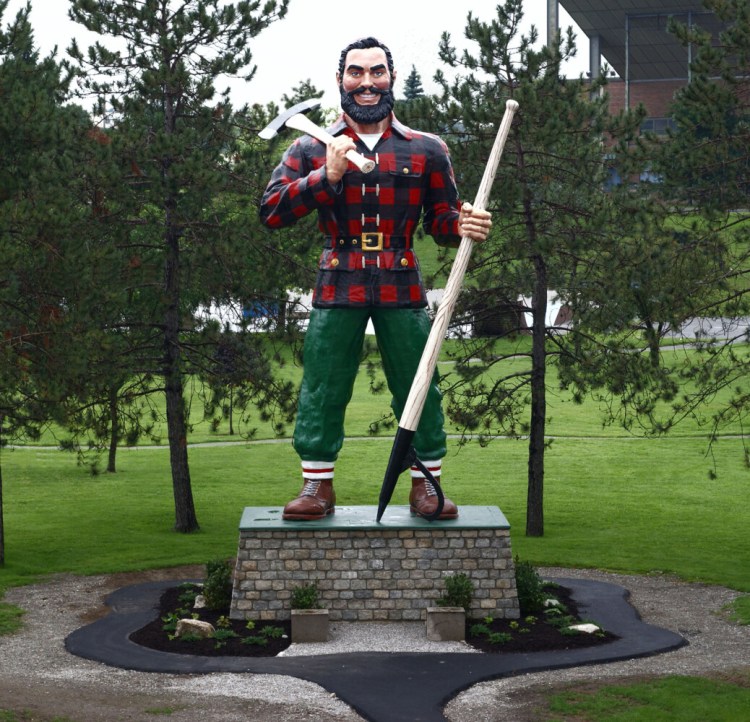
{"x":309,"y":625}
{"x":446,"y":624}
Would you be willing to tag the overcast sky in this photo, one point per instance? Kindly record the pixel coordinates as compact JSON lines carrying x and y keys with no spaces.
{"x":307,"y":42}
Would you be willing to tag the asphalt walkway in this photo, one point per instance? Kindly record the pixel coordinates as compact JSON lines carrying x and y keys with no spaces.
{"x":369,"y":681}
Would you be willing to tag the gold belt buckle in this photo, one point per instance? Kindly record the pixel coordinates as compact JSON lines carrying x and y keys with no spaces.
{"x":372,"y":241}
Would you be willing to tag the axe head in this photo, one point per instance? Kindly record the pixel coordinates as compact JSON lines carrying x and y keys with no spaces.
{"x":280,"y":120}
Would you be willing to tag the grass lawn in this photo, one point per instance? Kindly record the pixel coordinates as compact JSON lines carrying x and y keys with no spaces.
{"x":609,"y":505}
{"x":612,"y":500}
{"x":667,"y":699}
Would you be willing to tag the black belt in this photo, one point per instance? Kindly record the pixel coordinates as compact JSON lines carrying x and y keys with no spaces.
{"x":374,"y":241}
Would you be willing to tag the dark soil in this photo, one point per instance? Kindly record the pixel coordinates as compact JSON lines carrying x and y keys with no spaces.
{"x":540,"y":634}
{"x":248,"y":642}
{"x":537,"y":632}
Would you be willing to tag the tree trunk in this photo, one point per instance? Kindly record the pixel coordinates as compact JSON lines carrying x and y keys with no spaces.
{"x":231,"y":411}
{"x":535,"y":493}
{"x":281,"y":324}
{"x":184,"y":508}
{"x":2,"y":523}
{"x":114,"y":430}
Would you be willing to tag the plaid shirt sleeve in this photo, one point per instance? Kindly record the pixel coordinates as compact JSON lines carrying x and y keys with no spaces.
{"x":441,"y":204}
{"x":298,"y":185}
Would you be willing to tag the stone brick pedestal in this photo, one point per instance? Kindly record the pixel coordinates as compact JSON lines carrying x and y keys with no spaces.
{"x":370,"y":571}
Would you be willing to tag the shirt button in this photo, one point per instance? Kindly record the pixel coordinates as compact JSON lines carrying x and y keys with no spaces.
{"x":406,"y":171}
{"x":342,"y":242}
{"x":334,"y":262}
{"x":404,"y":262}
{"x":354,"y":241}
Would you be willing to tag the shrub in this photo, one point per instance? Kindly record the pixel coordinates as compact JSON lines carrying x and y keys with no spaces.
{"x":458,"y":592}
{"x":217,"y":588}
{"x":305,"y":597}
{"x":530,"y":587}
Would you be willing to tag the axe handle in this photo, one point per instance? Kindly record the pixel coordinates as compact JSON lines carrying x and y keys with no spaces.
{"x":418,"y":393}
{"x":303,"y":123}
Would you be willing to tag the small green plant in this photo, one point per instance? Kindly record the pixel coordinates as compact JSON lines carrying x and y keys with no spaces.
{"x":170,"y":621}
{"x":553,"y":612}
{"x":305,"y":597}
{"x":498,"y":637}
{"x":530,"y":588}
{"x":258,"y":639}
{"x":272,"y":632}
{"x":222,"y":635}
{"x":477,"y":630}
{"x":559,"y":618}
{"x":459,"y":592}
{"x":188,"y":593}
{"x":223,"y":622}
{"x":217,"y":588}
{"x":190,"y":638}
{"x":250,"y":625}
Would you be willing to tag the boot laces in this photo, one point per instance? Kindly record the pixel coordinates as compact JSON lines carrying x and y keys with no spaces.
{"x":429,"y":488}
{"x":311,"y":487}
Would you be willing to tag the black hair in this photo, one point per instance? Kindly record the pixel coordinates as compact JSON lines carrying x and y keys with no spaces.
{"x":363,"y":44}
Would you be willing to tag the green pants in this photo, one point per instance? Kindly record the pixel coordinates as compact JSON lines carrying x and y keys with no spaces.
{"x":332,"y":354}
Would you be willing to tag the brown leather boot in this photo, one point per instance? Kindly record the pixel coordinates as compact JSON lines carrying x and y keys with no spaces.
{"x":316,"y":500}
{"x":423,"y":500}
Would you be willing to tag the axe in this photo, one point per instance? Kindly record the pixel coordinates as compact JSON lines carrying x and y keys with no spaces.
{"x":295,"y":117}
{"x":402,"y":452}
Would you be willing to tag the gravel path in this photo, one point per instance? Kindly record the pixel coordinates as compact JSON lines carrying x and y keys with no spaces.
{"x":38,"y":674}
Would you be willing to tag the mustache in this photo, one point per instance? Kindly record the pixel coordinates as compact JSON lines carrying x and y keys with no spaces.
{"x":373,"y":90}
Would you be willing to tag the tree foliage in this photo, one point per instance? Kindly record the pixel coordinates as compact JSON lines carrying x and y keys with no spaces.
{"x":632,"y":263}
{"x":553,"y":218}
{"x":50,"y":263}
{"x":683,"y":268}
{"x":182,"y":193}
{"x":413,"y":85}
{"x":704,"y":166}
{"x":709,"y":151}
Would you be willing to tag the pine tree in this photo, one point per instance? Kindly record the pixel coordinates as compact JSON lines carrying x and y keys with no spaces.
{"x":413,"y":85}
{"x":707,"y":162}
{"x":704,"y":170}
{"x":158,"y":93}
{"x":551,"y":215}
{"x":48,"y":278}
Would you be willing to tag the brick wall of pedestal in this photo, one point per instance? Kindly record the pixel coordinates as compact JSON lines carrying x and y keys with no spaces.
{"x":373,"y":574}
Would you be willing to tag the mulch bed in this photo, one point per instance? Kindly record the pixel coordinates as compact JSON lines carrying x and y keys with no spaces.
{"x":154,"y":636}
{"x":535,"y":633}
{"x":539,"y":634}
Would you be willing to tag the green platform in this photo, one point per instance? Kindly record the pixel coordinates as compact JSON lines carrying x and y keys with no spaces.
{"x":256,"y":518}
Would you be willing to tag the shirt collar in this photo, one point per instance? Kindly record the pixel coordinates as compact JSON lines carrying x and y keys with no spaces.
{"x":396,"y":125}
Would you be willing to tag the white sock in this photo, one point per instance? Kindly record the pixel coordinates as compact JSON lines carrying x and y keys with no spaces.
{"x":434,"y":467}
{"x":317,"y":470}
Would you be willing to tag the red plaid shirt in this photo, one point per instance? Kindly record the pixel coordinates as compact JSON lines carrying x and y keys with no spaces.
{"x":413,"y":178}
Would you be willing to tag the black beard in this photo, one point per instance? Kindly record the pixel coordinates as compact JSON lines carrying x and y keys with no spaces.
{"x":367,"y":114}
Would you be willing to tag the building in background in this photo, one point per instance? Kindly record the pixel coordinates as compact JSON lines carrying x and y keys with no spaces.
{"x":630,"y":38}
